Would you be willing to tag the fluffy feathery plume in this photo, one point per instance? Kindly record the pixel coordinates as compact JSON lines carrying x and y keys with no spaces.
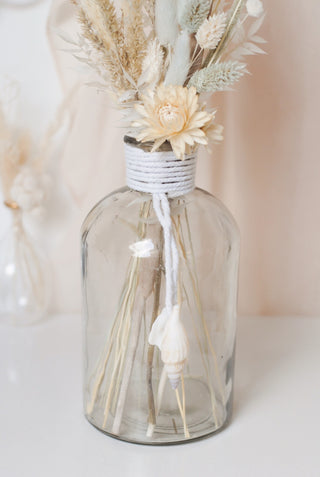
{"x":211,"y":31}
{"x":152,"y":65}
{"x":166,"y":22}
{"x":119,"y":42}
{"x":217,"y":77}
{"x":192,"y":14}
{"x":101,"y":29}
{"x":135,"y":41}
{"x":101,"y":17}
{"x":149,"y":6}
{"x":180,"y":61}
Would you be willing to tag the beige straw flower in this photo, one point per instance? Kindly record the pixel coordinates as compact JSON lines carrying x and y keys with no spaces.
{"x":172,"y":113}
{"x":211,"y":31}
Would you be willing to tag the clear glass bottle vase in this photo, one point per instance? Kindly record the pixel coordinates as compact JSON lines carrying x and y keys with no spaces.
{"x":24,"y":275}
{"x":127,"y":393}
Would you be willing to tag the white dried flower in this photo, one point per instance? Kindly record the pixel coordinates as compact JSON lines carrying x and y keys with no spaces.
{"x":30,"y":190}
{"x":211,"y":31}
{"x":254,"y":8}
{"x":192,"y":13}
{"x":217,"y":77}
{"x":172,"y":113}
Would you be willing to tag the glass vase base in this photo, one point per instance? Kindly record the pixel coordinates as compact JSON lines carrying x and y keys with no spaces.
{"x":169,"y":428}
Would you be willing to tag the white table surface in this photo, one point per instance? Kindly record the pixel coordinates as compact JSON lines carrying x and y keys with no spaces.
{"x":274,"y":432}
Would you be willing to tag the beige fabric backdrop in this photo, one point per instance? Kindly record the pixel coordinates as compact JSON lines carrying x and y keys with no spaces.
{"x":267,"y":171}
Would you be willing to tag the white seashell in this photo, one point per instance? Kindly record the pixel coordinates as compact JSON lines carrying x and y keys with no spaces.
{"x":142,"y":249}
{"x":168,"y":333}
{"x":174,"y":347}
{"x":158,"y":329}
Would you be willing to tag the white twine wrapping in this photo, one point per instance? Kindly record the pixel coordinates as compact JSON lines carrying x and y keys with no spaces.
{"x":164,"y":176}
{"x":159,"y":172}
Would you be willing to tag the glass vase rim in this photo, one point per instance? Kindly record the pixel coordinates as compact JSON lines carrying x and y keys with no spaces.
{"x":148,"y":145}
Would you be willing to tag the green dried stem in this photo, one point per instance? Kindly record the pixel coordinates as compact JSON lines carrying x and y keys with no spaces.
{"x":214,"y":7}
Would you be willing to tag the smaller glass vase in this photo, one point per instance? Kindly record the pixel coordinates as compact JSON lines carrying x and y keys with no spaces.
{"x":24,"y":276}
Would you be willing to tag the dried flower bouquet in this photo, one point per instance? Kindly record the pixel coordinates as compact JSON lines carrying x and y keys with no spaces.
{"x":157,"y":58}
{"x":26,"y":186}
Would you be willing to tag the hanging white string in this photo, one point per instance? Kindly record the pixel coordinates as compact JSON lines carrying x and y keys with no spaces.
{"x":162,"y":209}
{"x":164,"y":176}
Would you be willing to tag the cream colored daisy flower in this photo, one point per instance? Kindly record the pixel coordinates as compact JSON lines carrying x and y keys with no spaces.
{"x":172,"y":113}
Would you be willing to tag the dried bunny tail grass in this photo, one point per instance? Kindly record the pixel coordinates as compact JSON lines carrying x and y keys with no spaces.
{"x":217,"y":77}
{"x":233,"y":19}
{"x":192,"y":13}
{"x":166,"y":22}
{"x":180,"y":61}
